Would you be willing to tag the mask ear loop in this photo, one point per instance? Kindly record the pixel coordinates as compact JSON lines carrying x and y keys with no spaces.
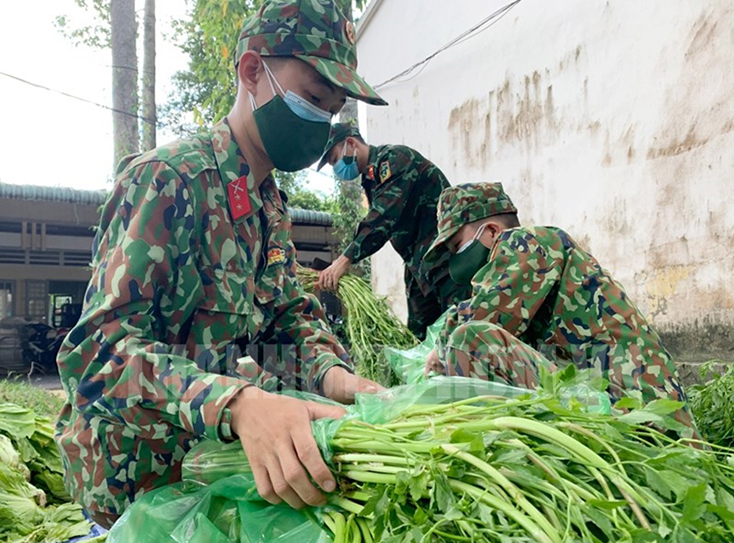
{"x":271,"y":78}
{"x":344,"y":152}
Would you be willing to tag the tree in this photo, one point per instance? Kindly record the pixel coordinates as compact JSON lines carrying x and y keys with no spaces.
{"x":123,"y":32}
{"x":114,"y":27}
{"x":148,"y":79}
{"x":96,"y":35}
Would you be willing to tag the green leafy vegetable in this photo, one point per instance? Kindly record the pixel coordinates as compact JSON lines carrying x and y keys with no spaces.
{"x":32,"y":493}
{"x":712,"y":405}
{"x":369,"y":326}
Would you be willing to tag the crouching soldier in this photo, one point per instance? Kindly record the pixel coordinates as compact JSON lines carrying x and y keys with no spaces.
{"x":538,"y":298}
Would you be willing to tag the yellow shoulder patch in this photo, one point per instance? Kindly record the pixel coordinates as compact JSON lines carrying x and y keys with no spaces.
{"x":385,"y":172}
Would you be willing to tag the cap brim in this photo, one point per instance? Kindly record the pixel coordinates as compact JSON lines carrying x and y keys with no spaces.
{"x":434,"y":251}
{"x":344,"y":77}
{"x":325,"y":156}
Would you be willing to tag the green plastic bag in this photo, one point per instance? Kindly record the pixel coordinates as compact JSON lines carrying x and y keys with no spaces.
{"x":225,"y":511}
{"x":217,"y":500}
{"x":408,"y":364}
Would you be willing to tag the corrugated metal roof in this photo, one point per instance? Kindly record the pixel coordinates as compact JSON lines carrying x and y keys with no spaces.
{"x":54,"y":194}
{"x":98,"y":197}
{"x":308,"y":217}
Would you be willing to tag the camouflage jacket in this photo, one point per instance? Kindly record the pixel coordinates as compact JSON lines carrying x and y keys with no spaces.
{"x":190,"y":255}
{"x":547,"y":291}
{"x":402,"y":188}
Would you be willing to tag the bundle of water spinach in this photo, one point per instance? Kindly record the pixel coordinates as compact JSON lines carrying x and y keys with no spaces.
{"x":369,"y":326}
{"x":510,"y":471}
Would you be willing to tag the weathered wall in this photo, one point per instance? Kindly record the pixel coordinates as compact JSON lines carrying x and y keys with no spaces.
{"x":614,"y":120}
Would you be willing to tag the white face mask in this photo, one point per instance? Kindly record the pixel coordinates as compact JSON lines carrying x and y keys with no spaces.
{"x":477,"y":235}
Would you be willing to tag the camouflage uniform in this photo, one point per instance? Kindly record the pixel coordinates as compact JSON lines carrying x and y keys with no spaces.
{"x":542,"y":299}
{"x":190,"y":256}
{"x":402,"y":188}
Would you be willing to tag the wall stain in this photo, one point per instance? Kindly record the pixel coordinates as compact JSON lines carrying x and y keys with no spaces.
{"x":678,"y":146}
{"x":462,"y":123}
{"x":519,"y":111}
{"x":516,"y":112}
{"x":606,"y":161}
{"x":704,"y":35}
{"x":663,"y":285}
{"x":707,"y":57}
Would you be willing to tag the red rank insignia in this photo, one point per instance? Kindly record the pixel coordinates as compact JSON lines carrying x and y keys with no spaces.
{"x":239,"y":198}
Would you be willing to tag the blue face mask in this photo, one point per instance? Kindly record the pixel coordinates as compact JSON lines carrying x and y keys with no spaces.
{"x":346,"y":167}
{"x":297,"y":104}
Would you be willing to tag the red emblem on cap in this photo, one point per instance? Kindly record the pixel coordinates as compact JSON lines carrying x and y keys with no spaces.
{"x":239,"y":198}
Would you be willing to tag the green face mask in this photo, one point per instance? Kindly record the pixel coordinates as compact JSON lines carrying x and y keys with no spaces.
{"x":468,"y":260}
{"x":294,"y":132}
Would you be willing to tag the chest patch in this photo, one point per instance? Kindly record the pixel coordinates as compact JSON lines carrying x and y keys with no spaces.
{"x":276,"y":255}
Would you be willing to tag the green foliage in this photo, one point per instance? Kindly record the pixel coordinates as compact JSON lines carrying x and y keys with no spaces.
{"x":299,"y":196}
{"x":712,"y":405}
{"x":209,"y":87}
{"x":498,"y":469}
{"x":95,"y":35}
{"x":348,"y":212}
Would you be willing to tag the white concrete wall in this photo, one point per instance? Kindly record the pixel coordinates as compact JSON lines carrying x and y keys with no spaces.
{"x":611,"y":119}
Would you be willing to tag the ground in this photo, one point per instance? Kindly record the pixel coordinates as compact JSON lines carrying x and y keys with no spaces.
{"x":43,"y":395}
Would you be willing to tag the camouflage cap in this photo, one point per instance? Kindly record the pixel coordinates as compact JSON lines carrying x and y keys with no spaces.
{"x":314,"y":31}
{"x":339,"y":132}
{"x":463,"y":204}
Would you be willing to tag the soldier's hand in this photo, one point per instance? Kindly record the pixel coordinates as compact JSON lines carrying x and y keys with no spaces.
{"x":341,"y":386}
{"x":329,"y":278}
{"x":433,"y":364}
{"x":275,"y":432}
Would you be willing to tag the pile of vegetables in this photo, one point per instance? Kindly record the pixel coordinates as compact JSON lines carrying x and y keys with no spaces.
{"x":370,"y":325}
{"x":493,"y":469}
{"x":712,"y":404}
{"x":34,"y":504}
{"x":529,"y":469}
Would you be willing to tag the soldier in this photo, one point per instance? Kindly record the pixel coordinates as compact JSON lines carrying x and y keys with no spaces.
{"x":402,"y":188}
{"x":536,"y":291}
{"x":193,"y":252}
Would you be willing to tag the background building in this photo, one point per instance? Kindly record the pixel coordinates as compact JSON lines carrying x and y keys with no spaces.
{"x":46,"y":238}
{"x":613,"y":120}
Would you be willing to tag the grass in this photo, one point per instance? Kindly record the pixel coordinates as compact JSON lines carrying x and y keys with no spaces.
{"x":19,"y":391}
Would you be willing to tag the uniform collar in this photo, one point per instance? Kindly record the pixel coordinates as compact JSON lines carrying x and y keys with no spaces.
{"x":232,"y":165}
